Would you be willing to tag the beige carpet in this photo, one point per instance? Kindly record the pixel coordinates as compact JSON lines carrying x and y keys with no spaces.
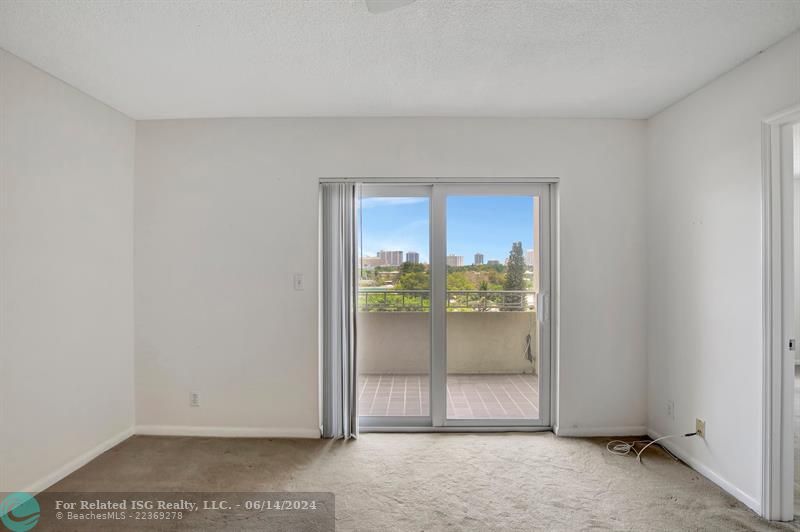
{"x":436,"y":481}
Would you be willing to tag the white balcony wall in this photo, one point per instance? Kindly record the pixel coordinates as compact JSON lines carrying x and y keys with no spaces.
{"x":477,"y":342}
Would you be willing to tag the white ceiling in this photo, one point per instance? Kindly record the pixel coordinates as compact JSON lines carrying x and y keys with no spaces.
{"x":585,"y":58}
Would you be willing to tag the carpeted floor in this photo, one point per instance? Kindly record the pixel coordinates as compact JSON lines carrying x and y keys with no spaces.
{"x":480,"y":482}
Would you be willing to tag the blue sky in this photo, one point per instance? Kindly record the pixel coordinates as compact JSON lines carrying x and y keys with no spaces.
{"x":475,"y":224}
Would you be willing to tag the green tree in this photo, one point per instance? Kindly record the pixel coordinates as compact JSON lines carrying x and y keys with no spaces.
{"x":412,"y":277}
{"x":496,"y":279}
{"x":515,"y":273}
{"x":411,"y":267}
{"x":515,"y":276}
{"x":484,"y":304}
{"x":412,"y":281}
{"x":459,"y":281}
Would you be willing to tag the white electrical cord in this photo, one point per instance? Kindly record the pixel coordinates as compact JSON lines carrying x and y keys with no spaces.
{"x":623,"y":448}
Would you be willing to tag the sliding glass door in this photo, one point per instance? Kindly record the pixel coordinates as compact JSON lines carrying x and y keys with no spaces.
{"x":453,"y":319}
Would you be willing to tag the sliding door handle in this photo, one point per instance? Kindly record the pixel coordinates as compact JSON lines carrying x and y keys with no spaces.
{"x":542,"y":307}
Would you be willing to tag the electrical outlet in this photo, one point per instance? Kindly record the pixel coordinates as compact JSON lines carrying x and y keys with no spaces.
{"x":671,"y":409}
{"x":194,"y":399}
{"x":299,"y":282}
{"x":700,"y":427}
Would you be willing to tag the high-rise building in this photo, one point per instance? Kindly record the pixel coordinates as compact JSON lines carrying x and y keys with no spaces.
{"x":455,"y":260}
{"x":530,"y":258}
{"x":412,"y":257}
{"x":391,"y":258}
{"x":493,"y":263}
{"x":478,"y":259}
{"x":370,"y":262}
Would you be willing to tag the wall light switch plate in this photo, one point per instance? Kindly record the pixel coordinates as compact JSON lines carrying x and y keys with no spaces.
{"x":299,"y":282}
{"x":194,"y":399}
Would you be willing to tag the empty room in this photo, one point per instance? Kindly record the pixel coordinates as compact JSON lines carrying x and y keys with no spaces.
{"x":399,"y":265}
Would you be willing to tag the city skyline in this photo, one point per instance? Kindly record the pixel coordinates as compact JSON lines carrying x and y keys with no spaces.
{"x":476,"y":225}
{"x":413,"y":257}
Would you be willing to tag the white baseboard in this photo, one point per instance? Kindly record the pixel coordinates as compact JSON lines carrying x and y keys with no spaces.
{"x":711,"y":475}
{"x":225,"y":432}
{"x":75,"y":464}
{"x":590,"y":432}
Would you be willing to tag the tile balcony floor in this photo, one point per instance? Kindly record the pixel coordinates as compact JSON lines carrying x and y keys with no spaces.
{"x":507,"y":396}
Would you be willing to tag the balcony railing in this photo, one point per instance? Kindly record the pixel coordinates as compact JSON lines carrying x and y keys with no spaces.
{"x":378,"y":300}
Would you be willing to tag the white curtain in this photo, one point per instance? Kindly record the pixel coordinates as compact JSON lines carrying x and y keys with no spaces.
{"x":339,"y":248}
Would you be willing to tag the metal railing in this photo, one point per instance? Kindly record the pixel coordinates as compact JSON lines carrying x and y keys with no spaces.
{"x":379,"y":300}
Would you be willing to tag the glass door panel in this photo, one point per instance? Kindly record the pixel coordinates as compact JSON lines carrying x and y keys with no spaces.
{"x":493,"y":266}
{"x":393,"y":321}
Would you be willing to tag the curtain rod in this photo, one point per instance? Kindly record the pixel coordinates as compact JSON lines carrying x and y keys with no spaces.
{"x":432,"y":180}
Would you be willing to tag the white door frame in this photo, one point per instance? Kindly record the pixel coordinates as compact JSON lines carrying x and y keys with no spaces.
{"x":777,"y":491}
{"x":436,"y":187}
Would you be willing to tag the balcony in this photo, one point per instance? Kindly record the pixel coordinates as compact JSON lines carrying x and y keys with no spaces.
{"x":490,"y":372}
{"x":471,"y":396}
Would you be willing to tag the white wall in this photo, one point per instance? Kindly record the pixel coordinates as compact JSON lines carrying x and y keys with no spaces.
{"x":226,"y":212}
{"x":704,"y":265}
{"x":66,"y":311}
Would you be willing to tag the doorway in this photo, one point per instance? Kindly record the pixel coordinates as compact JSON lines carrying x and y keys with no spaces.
{"x":781,"y":162}
{"x":453,"y":315}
